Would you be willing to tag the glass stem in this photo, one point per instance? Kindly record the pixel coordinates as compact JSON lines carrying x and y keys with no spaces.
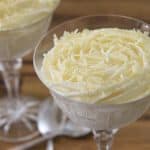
{"x":104,"y":138}
{"x":11,"y":76}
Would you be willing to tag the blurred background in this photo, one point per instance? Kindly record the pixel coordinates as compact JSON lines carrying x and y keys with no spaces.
{"x":134,"y":137}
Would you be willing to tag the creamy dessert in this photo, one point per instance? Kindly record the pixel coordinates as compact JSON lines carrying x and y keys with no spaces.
{"x":107,"y":65}
{"x":22,"y":24}
{"x":18,"y":13}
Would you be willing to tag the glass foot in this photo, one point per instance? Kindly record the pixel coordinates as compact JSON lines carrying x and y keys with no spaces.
{"x":18,"y":120}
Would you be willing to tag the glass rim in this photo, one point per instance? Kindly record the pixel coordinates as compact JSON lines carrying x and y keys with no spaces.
{"x":78,"y":19}
{"x":97,"y":15}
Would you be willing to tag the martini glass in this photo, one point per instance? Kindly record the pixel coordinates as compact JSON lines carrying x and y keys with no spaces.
{"x":103,"y":119}
{"x":18,"y":113}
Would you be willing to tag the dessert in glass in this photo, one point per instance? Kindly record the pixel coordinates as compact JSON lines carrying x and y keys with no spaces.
{"x":97,"y":70}
{"x":22,"y":24}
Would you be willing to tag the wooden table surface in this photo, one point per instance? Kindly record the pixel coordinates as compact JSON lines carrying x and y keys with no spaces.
{"x":133,"y":137}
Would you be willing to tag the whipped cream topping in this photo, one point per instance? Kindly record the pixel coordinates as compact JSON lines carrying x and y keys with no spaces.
{"x":18,"y":13}
{"x":107,"y":65}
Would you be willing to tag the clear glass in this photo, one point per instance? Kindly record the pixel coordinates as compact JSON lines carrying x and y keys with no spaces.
{"x":18,"y":114}
{"x":103,"y":119}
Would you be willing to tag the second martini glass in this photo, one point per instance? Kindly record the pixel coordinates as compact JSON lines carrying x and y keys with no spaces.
{"x":103,"y":119}
{"x":18,"y":113}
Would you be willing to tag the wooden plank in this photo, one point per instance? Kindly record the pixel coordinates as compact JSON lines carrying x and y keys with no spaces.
{"x":133,"y":137}
{"x":136,"y":8}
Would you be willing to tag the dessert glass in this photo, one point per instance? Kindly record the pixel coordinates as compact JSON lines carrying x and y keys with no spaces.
{"x":103,"y":119}
{"x":18,"y":114}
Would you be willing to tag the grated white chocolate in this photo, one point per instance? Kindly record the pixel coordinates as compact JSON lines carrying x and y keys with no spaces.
{"x":107,"y":65}
{"x":19,"y":13}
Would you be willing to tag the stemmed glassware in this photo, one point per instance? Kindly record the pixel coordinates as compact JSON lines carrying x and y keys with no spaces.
{"x":103,"y":119}
{"x":18,"y":113}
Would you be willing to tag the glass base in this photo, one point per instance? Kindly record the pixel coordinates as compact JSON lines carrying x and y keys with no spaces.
{"x":18,"y":122}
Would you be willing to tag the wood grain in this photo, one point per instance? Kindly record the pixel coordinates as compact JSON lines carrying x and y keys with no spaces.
{"x":135,"y":136}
